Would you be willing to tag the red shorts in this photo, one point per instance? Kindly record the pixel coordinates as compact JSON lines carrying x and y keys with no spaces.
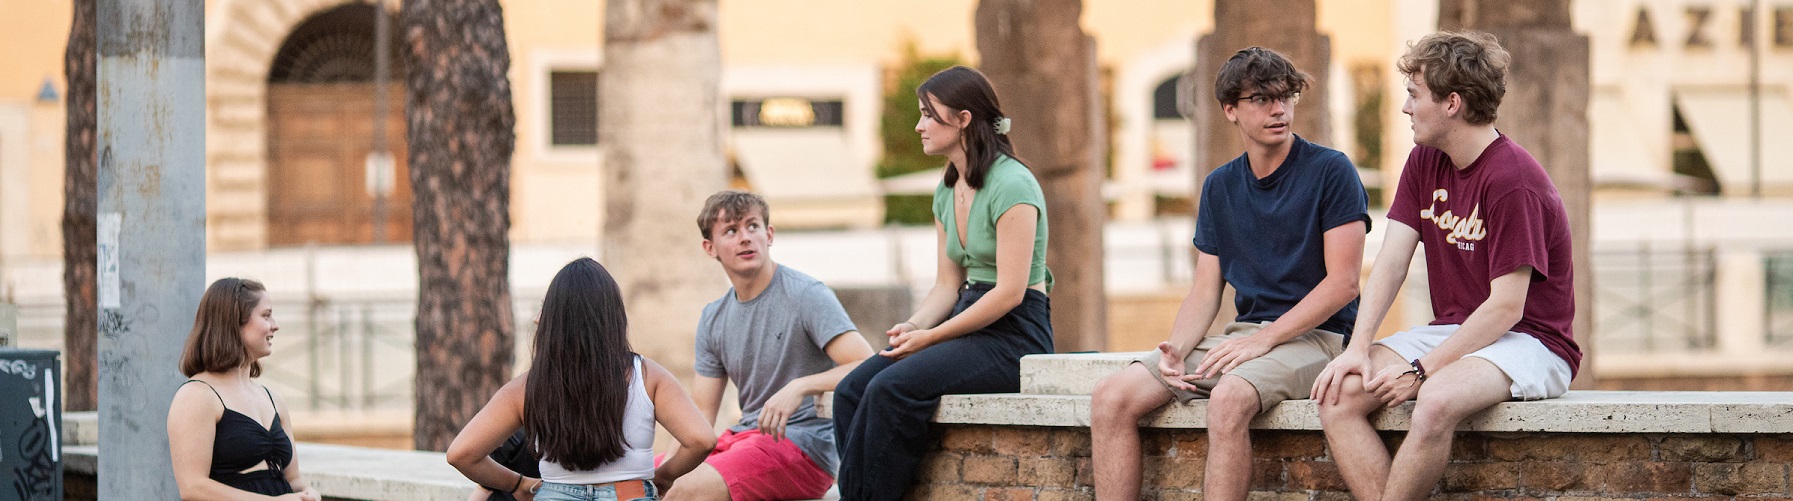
{"x":756,"y":468}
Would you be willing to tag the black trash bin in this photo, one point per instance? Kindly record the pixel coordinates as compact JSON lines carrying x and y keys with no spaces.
{"x":30,"y":425}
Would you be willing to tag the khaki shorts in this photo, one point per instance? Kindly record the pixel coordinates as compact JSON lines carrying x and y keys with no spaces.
{"x":1286,"y":372}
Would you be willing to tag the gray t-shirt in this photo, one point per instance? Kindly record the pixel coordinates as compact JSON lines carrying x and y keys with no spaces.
{"x":763,"y":344}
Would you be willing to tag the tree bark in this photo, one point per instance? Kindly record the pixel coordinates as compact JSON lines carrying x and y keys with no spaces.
{"x":660,"y":127}
{"x":1546,"y":112}
{"x":461,"y":138}
{"x":1042,"y":65}
{"x":79,"y":249}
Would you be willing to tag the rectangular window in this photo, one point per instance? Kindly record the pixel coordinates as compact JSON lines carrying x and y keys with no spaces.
{"x":573,"y":108}
{"x":786,"y":112}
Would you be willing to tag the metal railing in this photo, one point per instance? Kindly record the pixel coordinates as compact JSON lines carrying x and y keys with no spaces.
{"x":1655,"y":299}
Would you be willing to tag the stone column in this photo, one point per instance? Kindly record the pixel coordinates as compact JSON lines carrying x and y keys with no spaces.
{"x":1042,"y":65}
{"x":151,"y":225}
{"x":1546,"y":111}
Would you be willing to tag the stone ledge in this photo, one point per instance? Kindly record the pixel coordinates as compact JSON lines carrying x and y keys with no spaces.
{"x":1577,"y":412}
{"x":339,"y":471}
{"x":1055,"y":391}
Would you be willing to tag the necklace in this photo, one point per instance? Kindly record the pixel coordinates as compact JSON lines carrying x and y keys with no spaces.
{"x":960,"y":193}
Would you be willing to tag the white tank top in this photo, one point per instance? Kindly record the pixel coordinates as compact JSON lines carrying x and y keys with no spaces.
{"x":637,"y":462}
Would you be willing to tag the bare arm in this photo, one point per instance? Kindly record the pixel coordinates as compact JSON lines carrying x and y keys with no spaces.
{"x":707,"y":394}
{"x":1503,"y":309}
{"x":192,"y":430}
{"x":1014,"y":259}
{"x":675,"y":411}
{"x":1344,"y":263}
{"x":471,"y":451}
{"x":847,"y":350}
{"x":1385,"y":281}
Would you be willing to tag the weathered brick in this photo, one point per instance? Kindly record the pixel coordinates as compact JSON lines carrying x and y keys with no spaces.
{"x":1275,"y":496}
{"x":1179,"y":495}
{"x":1156,"y":442}
{"x":1469,"y":447}
{"x":969,"y":440}
{"x":1701,"y":448}
{"x":1333,"y":496}
{"x":1022,"y":441}
{"x":1066,"y":495}
{"x":1085,"y":473}
{"x":988,"y":469}
{"x":947,"y":492}
{"x":1315,"y":475}
{"x":940,"y":468}
{"x":1008,"y":494}
{"x":1586,"y":448}
{"x":1047,"y":472}
{"x":1267,"y":475}
{"x":1070,"y":443}
{"x":1288,"y":445}
{"x":1774,"y":448}
{"x":1640,"y":477}
{"x":1740,"y":478}
{"x":1180,"y":473}
{"x":1474,"y":477}
{"x":1552,"y":477}
{"x":1194,"y":444}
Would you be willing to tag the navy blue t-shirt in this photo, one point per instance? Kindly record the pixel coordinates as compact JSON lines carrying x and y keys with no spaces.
{"x":1270,"y":233}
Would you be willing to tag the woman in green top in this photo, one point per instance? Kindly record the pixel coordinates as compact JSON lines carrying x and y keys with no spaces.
{"x":988,"y":306}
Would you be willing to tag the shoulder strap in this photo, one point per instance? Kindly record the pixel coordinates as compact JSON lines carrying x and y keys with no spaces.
{"x":264,"y":389}
{"x":209,"y":387}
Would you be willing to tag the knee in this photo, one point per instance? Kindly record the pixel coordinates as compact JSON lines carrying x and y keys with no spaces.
{"x":1231,"y":406}
{"x":1434,"y":417}
{"x":1353,"y":404}
{"x":701,"y":484}
{"x":1123,"y":397}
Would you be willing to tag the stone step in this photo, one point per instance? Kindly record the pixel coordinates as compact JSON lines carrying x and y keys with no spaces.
{"x":1070,"y":373}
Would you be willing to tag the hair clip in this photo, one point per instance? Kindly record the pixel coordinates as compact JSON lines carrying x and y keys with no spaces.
{"x":1002,"y":125}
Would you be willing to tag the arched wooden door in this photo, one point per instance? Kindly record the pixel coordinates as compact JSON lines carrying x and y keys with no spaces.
{"x":321,"y":116}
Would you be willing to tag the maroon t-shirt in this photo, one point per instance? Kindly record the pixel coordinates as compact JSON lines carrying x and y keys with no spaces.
{"x":1484,"y":221}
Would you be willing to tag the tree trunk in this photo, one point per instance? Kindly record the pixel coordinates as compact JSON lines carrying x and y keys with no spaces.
{"x":660,"y":127}
{"x":1043,"y":68}
{"x":461,"y":138}
{"x":1546,"y":111}
{"x":79,"y":201}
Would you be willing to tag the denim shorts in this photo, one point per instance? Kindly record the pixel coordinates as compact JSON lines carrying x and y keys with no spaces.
{"x":574,"y":492}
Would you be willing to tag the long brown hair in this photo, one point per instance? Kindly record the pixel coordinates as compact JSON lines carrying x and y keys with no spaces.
{"x":578,"y":379}
{"x":966,"y":89}
{"x":216,"y":342}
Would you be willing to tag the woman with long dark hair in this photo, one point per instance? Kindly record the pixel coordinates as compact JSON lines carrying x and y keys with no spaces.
{"x":227,"y":435}
{"x":988,"y":306}
{"x":588,"y":402}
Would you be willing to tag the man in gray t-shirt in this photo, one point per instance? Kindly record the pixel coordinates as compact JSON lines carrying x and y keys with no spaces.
{"x":783,"y":339}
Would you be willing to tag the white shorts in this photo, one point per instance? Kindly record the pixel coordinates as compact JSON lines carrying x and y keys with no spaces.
{"x":1536,"y":372}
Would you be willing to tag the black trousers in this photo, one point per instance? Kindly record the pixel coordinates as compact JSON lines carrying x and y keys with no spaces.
{"x":882,"y":408}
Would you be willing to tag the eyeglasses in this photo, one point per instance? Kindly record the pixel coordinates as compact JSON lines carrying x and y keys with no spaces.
{"x":1261,"y":100}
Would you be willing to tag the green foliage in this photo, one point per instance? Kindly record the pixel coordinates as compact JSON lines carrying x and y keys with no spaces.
{"x":902,"y":146}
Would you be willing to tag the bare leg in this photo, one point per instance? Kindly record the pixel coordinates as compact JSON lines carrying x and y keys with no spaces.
{"x":1356,"y":448}
{"x":1456,"y":392}
{"x":703,"y":484}
{"x":1116,"y":405}
{"x":1230,"y":409}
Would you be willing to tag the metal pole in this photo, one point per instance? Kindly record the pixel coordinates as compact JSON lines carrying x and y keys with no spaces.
{"x":151,"y":111}
{"x":1755,"y":99}
{"x":382,"y":63}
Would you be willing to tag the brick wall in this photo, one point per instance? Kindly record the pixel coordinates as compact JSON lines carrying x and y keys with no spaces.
{"x":1035,"y":463}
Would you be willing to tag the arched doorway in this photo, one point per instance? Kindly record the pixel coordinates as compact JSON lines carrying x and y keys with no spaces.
{"x":321,"y":113}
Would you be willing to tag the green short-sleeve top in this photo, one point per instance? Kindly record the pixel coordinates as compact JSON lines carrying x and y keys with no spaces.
{"x":1007,"y":184}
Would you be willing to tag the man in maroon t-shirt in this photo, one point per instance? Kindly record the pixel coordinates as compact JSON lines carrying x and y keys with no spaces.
{"x":1498,"y":266}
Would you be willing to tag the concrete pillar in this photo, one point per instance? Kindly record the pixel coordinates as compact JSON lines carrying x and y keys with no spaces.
{"x":1546,"y":111}
{"x":151,"y":229}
